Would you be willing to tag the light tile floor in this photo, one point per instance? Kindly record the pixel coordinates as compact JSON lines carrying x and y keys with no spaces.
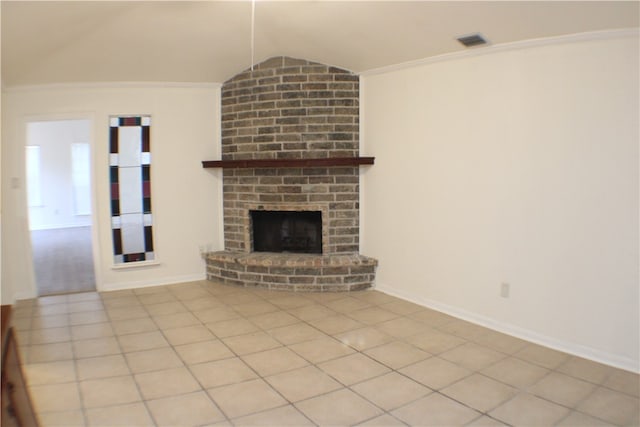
{"x":205,"y":354}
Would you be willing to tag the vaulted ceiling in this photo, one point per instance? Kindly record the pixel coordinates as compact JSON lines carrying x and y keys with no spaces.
{"x":210,"y":41}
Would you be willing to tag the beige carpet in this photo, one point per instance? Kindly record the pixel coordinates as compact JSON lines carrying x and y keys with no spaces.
{"x":63,"y":260}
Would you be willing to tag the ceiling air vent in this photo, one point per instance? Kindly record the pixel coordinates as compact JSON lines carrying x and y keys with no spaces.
{"x":472,"y":40}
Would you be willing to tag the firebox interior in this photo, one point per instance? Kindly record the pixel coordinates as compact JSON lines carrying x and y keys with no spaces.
{"x":287,"y":231}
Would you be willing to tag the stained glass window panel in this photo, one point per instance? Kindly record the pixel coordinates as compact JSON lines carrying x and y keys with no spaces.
{"x":130,"y":180}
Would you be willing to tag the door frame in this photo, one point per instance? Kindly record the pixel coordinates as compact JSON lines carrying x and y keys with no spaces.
{"x":95,"y":232}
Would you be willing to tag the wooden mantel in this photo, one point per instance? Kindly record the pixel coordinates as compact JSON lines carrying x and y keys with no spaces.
{"x":288,"y":163}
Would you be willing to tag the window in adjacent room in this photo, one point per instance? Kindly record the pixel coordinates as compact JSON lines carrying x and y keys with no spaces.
{"x":81,"y":178}
{"x":34,"y":183}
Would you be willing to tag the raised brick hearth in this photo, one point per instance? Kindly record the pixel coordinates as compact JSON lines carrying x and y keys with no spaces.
{"x":298,"y":272}
{"x":292,"y":109}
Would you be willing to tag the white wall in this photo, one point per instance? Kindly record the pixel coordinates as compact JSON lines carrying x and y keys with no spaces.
{"x":55,"y":139}
{"x":518,"y":166}
{"x":185,"y":197}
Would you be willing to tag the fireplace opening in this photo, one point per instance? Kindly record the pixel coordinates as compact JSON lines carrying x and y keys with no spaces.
{"x":287,"y":231}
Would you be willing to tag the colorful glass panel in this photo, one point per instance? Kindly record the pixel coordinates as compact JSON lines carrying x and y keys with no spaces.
{"x":130,"y":179}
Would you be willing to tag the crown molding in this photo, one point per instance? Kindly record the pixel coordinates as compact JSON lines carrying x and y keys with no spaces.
{"x":111,"y":85}
{"x":505,"y":47}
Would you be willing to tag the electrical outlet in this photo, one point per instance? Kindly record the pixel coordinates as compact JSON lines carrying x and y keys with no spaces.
{"x":505,"y":288}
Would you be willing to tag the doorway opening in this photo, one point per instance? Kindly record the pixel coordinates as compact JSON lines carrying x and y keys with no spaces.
{"x":58,"y":171}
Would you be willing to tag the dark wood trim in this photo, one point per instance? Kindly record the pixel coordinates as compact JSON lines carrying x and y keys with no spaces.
{"x":288,"y":163}
{"x":5,"y":312}
{"x":15,"y":402}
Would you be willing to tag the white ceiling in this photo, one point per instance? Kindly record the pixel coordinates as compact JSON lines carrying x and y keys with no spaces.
{"x":210,"y":41}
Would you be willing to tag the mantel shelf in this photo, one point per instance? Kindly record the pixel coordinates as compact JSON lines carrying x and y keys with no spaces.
{"x":288,"y":163}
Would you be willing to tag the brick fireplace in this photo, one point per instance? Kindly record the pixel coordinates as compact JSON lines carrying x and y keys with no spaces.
{"x":290,"y":146}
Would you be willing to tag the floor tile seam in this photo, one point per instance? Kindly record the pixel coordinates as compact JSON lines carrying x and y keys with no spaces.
{"x":350,"y":387}
{"x":388,"y":413}
{"x":484,"y":412}
{"x":571,"y":412}
{"x":481,"y":412}
{"x":368,"y":322}
{"x":301,"y":321}
{"x":87,"y":323}
{"x":415,"y":380}
{"x":323,"y":361}
{"x":441,"y":328}
{"x":325,"y":335}
{"x":147,"y":304}
{"x":613,"y":372}
{"x":173,"y":347}
{"x":134,"y":304}
{"x":609,"y":370}
{"x":480,"y":369}
{"x":252,"y":413}
{"x":256,"y":323}
{"x":252,"y":352}
{"x":489,"y":346}
{"x":633,"y":396}
{"x":30,"y":386}
{"x":133,"y":373}
{"x":279,"y":372}
{"x":85,"y":408}
{"x":525,"y":388}
{"x":264,"y":378}
{"x":33,"y":316}
{"x":478,"y":412}
{"x":596,"y":384}
{"x":393,"y":368}
{"x":234,"y":421}
{"x":535,"y":363}
{"x":491,"y":417}
{"x":295,"y":404}
{"x":428,"y":351}
{"x":145,"y":401}
{"x":53,"y":342}
{"x":42,"y":300}
{"x":310,"y":320}
{"x":94,"y":337}
{"x":357,"y":382}
{"x":202,"y":390}
{"x":235,"y":355}
{"x":486,"y":347}
{"x":257,"y":375}
{"x":184,"y":310}
{"x":599,"y":384}
{"x":116,"y":334}
{"x":85,"y":414}
{"x":584,"y":399}
{"x":83,"y":311}
{"x":526,"y":393}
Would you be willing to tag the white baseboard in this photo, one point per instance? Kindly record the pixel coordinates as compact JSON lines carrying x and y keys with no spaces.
{"x":59,"y":226}
{"x":106,"y":287}
{"x":515,"y":331}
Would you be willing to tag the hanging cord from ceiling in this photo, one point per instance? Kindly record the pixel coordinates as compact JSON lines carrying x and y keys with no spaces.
{"x":253,"y":25}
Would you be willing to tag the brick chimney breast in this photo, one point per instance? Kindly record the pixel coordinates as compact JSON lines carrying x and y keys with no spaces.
{"x":288,"y":108}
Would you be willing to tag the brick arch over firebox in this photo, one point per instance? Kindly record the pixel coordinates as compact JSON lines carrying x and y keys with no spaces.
{"x":287,"y":108}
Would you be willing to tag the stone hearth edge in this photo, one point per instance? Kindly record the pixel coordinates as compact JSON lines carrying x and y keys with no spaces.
{"x":292,"y":272}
